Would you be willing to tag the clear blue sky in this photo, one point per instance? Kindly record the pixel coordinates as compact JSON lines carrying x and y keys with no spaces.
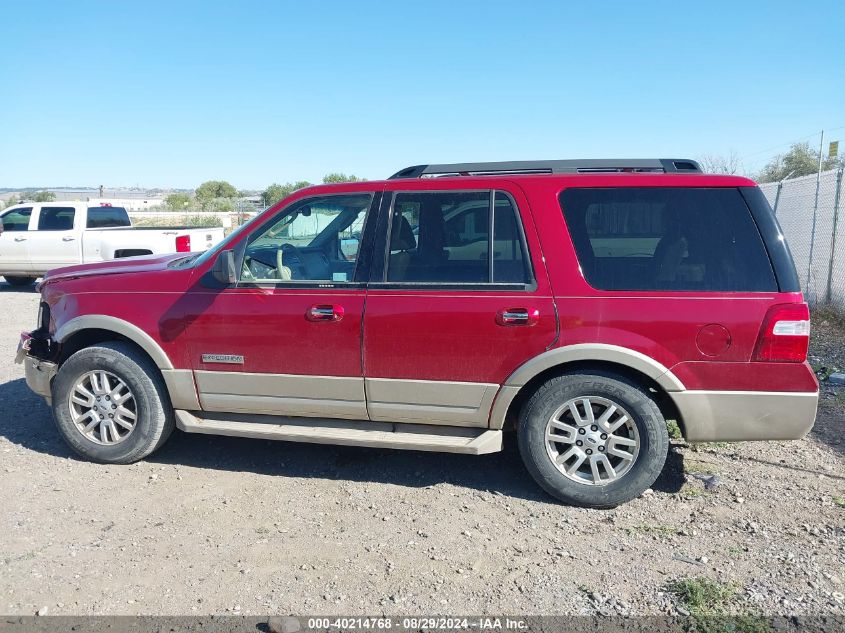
{"x":173,"y":93}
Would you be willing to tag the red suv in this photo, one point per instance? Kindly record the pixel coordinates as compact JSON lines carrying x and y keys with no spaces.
{"x":580,"y":303}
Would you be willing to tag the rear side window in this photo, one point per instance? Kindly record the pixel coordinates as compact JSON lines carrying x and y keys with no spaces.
{"x":56,"y":218}
{"x":106,"y":217}
{"x":17,"y":220}
{"x":446,"y":237}
{"x":649,"y":238}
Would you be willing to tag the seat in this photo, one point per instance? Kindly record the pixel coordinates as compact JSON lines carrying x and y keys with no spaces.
{"x":402,"y":242}
{"x":671,"y":249}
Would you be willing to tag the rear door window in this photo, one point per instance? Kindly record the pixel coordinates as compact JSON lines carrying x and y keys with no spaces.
{"x":666,"y":238}
{"x":107,"y":217}
{"x":446,"y":237}
{"x":17,"y":220}
{"x":56,"y":218}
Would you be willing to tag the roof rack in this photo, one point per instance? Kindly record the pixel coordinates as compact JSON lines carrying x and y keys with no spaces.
{"x":590,"y":166}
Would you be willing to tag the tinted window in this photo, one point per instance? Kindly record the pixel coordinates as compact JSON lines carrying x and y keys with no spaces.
{"x":650,"y":238}
{"x":17,"y":220}
{"x":56,"y":219}
{"x":317,"y":239}
{"x":445,"y":237}
{"x":105,"y":217}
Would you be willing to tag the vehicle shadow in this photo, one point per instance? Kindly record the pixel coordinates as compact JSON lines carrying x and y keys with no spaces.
{"x":29,"y":424}
{"x":6,"y":287}
{"x":25,"y":420}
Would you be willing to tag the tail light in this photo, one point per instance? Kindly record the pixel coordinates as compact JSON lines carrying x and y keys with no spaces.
{"x":785,"y":335}
{"x":183,"y":244}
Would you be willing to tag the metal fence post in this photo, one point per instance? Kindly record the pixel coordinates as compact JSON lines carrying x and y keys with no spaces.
{"x":829,"y":290}
{"x":815,"y":214}
{"x":777,"y":198}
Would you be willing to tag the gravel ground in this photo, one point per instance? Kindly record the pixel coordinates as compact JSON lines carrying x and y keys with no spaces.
{"x":226,"y":525}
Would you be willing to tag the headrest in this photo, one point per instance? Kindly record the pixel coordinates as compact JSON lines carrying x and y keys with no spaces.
{"x":402,"y":235}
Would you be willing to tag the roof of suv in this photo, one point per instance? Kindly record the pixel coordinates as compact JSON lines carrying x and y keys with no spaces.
{"x":669,"y":168}
{"x":579,"y":166}
{"x":641,"y":172}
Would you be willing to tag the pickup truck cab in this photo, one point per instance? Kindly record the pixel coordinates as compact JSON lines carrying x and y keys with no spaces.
{"x":581,"y":304}
{"x":37,"y":237}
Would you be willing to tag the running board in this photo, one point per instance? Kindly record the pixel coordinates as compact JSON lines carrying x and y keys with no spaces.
{"x":415,"y":437}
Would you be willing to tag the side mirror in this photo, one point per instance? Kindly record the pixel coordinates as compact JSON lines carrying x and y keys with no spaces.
{"x":224,"y":268}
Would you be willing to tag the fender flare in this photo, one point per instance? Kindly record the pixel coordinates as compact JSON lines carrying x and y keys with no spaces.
{"x":118,"y":326}
{"x":574,"y":353}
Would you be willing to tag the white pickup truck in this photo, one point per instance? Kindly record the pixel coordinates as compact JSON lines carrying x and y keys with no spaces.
{"x":37,"y":237}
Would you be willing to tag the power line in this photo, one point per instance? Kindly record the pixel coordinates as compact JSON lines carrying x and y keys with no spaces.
{"x":774,"y":147}
{"x":803,"y":138}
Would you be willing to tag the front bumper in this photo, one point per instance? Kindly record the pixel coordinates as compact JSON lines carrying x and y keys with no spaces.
{"x":39,"y":373}
{"x":734,"y":416}
{"x":39,"y":376}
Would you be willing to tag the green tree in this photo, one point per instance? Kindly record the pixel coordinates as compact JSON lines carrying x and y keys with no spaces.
{"x":276,"y":192}
{"x":13,"y":200}
{"x":178,"y":201}
{"x":800,"y":160}
{"x":224,"y":204}
{"x":340,"y":177}
{"x":210,"y":193}
{"x":43,"y":196}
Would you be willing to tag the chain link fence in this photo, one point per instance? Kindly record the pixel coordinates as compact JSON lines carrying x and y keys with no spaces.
{"x":809,"y":210}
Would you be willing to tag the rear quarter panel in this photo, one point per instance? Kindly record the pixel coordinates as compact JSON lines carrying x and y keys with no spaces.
{"x":662,"y":325}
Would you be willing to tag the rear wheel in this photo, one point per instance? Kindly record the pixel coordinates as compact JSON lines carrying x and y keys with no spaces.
{"x":20,"y":281}
{"x":110,"y":404}
{"x":593,"y":439}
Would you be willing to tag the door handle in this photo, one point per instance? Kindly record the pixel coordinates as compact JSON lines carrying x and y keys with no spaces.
{"x":68,"y":239}
{"x":518,"y":316}
{"x":20,"y":239}
{"x":324,"y":312}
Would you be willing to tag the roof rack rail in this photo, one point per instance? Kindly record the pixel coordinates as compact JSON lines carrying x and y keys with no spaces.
{"x":589,"y":166}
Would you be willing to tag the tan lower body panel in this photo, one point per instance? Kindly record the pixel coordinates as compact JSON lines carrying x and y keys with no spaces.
{"x":344,"y":432}
{"x":726,"y":416}
{"x":503,"y":401}
{"x":181,"y":387}
{"x":39,"y":376}
{"x":430,"y":401}
{"x":282,"y":394}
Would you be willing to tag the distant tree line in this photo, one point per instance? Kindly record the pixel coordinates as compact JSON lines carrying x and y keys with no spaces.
{"x":38,"y":196}
{"x":219,"y":195}
{"x":800,"y":160}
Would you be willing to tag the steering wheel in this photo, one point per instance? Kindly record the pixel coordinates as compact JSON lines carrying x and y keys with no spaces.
{"x":290,"y":251}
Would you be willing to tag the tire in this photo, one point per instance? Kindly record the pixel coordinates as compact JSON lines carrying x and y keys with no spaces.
{"x":647,"y":428}
{"x":153,"y":415}
{"x":20,"y":281}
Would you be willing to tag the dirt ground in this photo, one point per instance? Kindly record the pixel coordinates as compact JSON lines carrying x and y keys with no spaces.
{"x":224,"y":525}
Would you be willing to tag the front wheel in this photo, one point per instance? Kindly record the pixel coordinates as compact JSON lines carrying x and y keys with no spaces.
{"x":110,"y":404}
{"x":593,"y":439}
{"x":20,"y":281}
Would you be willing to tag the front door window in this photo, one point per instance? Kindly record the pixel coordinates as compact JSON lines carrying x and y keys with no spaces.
{"x":316,"y":240}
